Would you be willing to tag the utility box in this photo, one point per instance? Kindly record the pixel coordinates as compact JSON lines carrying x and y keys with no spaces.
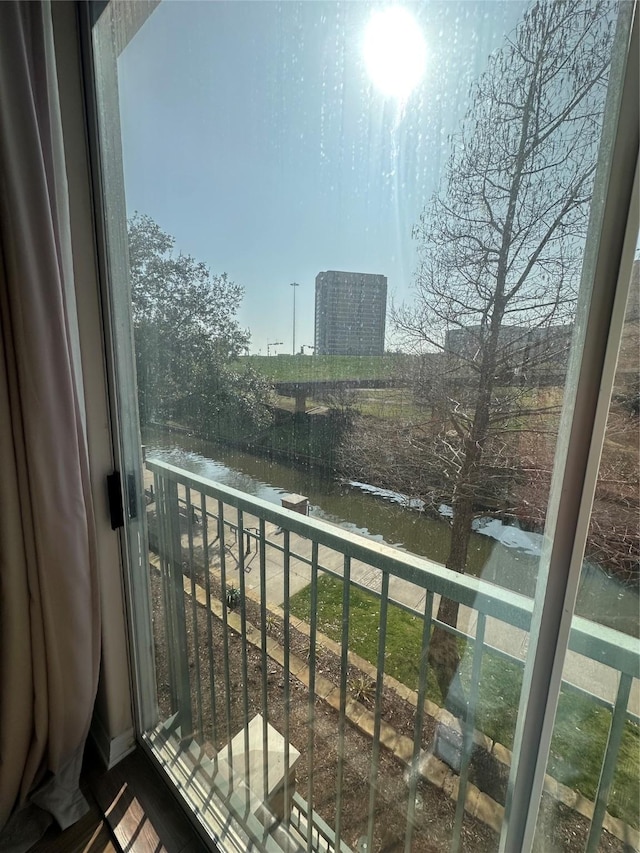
{"x":447,"y":745}
{"x":297,"y":503}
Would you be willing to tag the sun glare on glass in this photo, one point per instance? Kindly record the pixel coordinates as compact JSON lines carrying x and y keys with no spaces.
{"x":394,"y":52}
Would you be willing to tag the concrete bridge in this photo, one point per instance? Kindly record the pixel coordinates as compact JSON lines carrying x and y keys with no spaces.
{"x":318,"y":388}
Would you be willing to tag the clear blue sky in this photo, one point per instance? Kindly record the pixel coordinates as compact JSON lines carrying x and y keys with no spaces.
{"x":253,"y":134}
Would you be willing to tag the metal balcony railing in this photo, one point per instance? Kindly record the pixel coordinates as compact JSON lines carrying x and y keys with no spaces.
{"x":215,"y":549}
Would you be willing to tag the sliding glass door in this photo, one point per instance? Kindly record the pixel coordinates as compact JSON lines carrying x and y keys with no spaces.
{"x":370,"y":270}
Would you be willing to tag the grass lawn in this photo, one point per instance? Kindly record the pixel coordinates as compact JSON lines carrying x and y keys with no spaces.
{"x":389,"y":404}
{"x":286,"y":368}
{"x":581,"y":728}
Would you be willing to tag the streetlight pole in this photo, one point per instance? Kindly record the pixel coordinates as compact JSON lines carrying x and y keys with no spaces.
{"x":294,"y":284}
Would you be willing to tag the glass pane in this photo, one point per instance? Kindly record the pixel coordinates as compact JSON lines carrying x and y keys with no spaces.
{"x":345,"y":537}
{"x":595,"y":752}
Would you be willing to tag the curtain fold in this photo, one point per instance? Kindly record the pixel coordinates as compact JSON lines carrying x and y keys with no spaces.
{"x":49,"y":609}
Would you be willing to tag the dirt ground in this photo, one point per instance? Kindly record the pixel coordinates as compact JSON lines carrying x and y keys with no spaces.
{"x":565,"y":830}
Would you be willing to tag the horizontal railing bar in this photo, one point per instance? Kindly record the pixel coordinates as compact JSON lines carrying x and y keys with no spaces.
{"x":474,"y":592}
{"x":597,"y":642}
{"x":605,"y":645}
{"x":578,"y":642}
{"x":413,"y":611}
{"x":567,"y":686}
{"x":407,"y":608}
{"x":591,"y":640}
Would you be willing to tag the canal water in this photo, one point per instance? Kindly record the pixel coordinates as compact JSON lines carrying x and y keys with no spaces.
{"x":501,"y":554}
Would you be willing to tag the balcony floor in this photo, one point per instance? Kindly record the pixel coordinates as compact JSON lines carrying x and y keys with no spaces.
{"x":130,"y":810}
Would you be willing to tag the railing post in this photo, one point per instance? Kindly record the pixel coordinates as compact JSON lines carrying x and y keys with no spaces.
{"x":607,"y":771}
{"x":177,"y":644}
{"x":600,"y":644}
{"x":163,"y":554}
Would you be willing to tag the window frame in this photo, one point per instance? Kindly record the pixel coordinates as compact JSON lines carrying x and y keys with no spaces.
{"x":584,"y":429}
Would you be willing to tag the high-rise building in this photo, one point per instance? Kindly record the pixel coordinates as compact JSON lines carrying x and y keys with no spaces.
{"x":351,"y":311}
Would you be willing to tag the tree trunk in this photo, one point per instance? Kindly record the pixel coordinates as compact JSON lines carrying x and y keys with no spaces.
{"x":444,"y":654}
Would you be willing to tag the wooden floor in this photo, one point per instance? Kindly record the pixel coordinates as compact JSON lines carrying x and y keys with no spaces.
{"x":131,"y":811}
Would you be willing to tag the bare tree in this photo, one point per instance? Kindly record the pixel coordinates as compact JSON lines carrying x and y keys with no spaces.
{"x":501,"y":247}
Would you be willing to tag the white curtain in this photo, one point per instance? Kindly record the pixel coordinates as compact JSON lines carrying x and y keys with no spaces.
{"x":49,"y":611}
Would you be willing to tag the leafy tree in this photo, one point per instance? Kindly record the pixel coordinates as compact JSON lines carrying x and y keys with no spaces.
{"x":501,"y":246}
{"x":187,"y":341}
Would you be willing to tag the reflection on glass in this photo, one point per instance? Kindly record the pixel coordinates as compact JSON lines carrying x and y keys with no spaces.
{"x":405,"y":193}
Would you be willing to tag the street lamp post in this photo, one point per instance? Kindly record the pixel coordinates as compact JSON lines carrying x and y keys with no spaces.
{"x":294,"y":284}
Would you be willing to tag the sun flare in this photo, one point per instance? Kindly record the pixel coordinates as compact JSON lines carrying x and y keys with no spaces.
{"x":394,"y":51}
